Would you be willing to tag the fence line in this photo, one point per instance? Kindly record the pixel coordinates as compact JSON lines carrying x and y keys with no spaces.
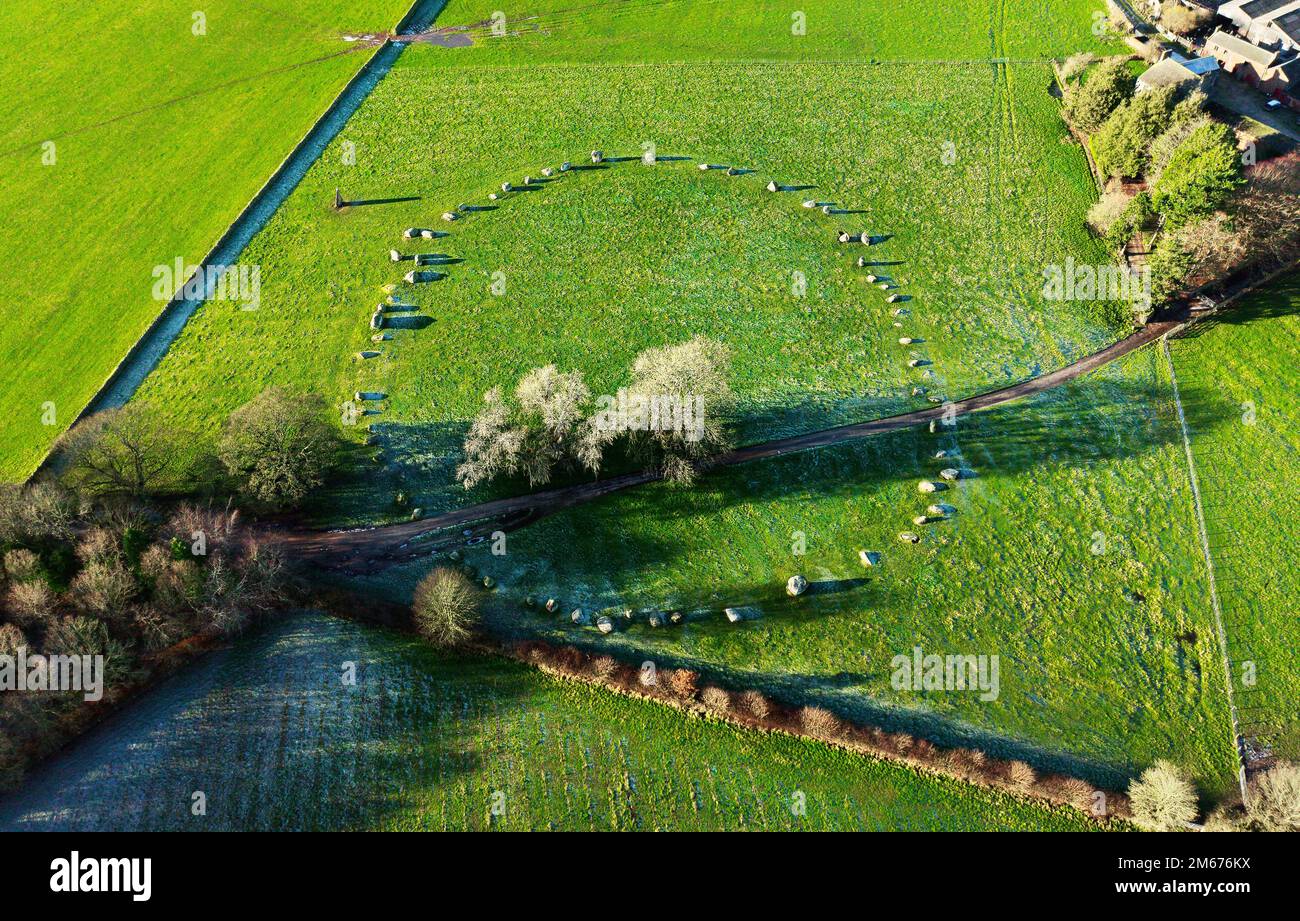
{"x":1209,"y":568}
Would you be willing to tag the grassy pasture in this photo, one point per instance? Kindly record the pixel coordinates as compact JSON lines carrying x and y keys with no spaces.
{"x":600,"y":265}
{"x":1072,"y":556}
{"x":274,"y":738}
{"x":1248,"y":489}
{"x":160,"y":138}
{"x":1109,"y":655}
{"x":648,"y":31}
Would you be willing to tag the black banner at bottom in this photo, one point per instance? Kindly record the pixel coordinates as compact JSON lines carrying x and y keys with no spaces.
{"x":340,"y":870}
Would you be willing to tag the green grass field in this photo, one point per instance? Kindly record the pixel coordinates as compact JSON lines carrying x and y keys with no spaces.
{"x":143,"y":116}
{"x":1248,"y":489}
{"x":1072,"y":556}
{"x":276,"y":741}
{"x":651,"y":31}
{"x":598,"y":266}
{"x":1109,"y":655}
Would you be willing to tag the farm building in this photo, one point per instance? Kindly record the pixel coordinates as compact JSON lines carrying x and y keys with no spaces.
{"x":1176,"y":70}
{"x":1269,"y":23}
{"x":1272,"y":72}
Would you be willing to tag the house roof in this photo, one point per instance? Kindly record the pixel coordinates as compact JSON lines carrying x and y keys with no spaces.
{"x":1167,"y":73}
{"x":1239,"y":46}
{"x":1289,"y":24}
{"x":1288,"y":70}
{"x":1198,"y":66}
{"x":1257,"y":8}
{"x":1205,"y":65}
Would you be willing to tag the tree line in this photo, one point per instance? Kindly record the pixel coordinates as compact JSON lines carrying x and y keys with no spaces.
{"x":136,"y":543}
{"x":1209,"y":206}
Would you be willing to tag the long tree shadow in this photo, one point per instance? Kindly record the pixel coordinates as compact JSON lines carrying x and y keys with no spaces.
{"x":419,"y":460}
{"x":841,"y":692}
{"x":1090,"y":422}
{"x":1044,"y":432}
{"x":845,"y":692}
{"x":277,"y":736}
{"x":1280,"y":299}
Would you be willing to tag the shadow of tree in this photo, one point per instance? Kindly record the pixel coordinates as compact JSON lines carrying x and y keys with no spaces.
{"x":1279,"y":299}
{"x":275,"y":739}
{"x":1036,"y":434}
{"x":1123,"y":420}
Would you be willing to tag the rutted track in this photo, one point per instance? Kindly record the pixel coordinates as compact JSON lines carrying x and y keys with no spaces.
{"x":370,"y":548}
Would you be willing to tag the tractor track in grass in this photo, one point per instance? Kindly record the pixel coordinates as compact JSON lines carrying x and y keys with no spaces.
{"x":111,"y":120}
{"x":367,"y":549}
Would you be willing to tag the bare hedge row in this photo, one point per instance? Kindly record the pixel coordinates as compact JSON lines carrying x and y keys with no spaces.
{"x":752,"y":709}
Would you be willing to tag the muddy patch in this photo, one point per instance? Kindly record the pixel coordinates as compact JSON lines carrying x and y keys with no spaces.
{"x":365,"y":39}
{"x":443,"y":39}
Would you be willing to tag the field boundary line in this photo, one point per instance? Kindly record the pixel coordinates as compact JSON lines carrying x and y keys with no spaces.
{"x":179,"y":310}
{"x":773,"y":62}
{"x":1209,"y":568}
{"x":568,"y":663}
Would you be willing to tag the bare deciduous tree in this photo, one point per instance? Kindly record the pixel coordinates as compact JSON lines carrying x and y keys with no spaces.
{"x":820,"y":722}
{"x":22,"y":565}
{"x":130,"y":451}
{"x":31,"y":602}
{"x":493,"y":443}
{"x":1162,"y":798}
{"x":104,"y":587}
{"x":543,"y":428}
{"x":1076,"y":64}
{"x":1107,"y":210}
{"x":446,"y":606}
{"x":1181,"y":19}
{"x":756,"y":704}
{"x":716,"y":699}
{"x":11,"y":639}
{"x":1267,"y":210}
{"x":1275,"y":802}
{"x":552,"y":407}
{"x":1214,"y":247}
{"x":694,"y":375}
